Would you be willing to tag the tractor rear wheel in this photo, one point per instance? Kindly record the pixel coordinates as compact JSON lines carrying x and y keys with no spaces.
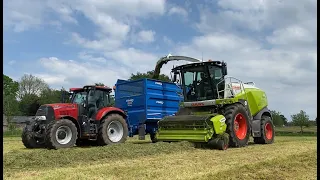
{"x":113,"y":129}
{"x":29,"y":141}
{"x":238,"y":126}
{"x":267,"y":131}
{"x":61,"y":134}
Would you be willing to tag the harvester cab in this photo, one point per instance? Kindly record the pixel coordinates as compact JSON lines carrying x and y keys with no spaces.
{"x":217,"y":110}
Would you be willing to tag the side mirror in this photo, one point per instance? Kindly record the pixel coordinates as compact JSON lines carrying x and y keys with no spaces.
{"x":174,"y":78}
{"x":224,"y":70}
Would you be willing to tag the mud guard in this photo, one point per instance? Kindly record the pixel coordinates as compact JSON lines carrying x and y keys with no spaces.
{"x":256,"y":122}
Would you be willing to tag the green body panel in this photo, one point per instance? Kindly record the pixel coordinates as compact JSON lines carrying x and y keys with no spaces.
{"x":219,"y":124}
{"x":214,"y":125}
{"x":256,"y":98}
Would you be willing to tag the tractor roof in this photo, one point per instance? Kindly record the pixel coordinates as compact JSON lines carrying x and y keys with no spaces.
{"x":215,"y":63}
{"x":104,"y":88}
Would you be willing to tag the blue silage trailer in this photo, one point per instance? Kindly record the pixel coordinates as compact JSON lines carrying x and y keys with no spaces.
{"x":146,"y":101}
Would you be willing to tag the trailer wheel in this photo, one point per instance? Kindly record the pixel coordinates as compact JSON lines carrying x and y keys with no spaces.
{"x":153,"y":137}
{"x":61,"y":134}
{"x":113,"y":129}
{"x":238,"y":126}
{"x":267,"y":131}
{"x":28,"y":140}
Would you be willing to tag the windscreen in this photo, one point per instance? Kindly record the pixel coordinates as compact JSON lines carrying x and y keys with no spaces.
{"x":79,"y":97}
{"x":197,"y":84}
{"x":200,"y":82}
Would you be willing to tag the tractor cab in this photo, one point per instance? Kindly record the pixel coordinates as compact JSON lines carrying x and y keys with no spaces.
{"x":90,"y":99}
{"x":200,"y":81}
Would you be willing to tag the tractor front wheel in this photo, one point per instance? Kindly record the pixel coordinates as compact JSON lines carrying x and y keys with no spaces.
{"x":238,"y":126}
{"x":61,"y":134}
{"x":113,"y":129}
{"x":29,"y":141}
{"x":267,"y":131}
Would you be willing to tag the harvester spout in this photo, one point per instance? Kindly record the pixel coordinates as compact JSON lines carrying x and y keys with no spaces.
{"x":166,"y":59}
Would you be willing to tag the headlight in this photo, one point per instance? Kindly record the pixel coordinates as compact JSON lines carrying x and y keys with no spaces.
{"x":42,"y":118}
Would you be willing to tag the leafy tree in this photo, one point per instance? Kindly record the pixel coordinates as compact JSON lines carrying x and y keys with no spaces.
{"x":277,"y":118}
{"x":29,"y":104}
{"x":301,"y":119}
{"x":149,"y":74}
{"x":49,"y":96}
{"x":31,"y":85}
{"x":284,"y":119}
{"x":10,"y":103}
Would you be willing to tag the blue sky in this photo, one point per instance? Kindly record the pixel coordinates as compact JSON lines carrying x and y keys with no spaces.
{"x":77,"y":42}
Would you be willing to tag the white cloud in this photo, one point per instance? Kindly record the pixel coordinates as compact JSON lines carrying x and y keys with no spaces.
{"x":12,"y":62}
{"x":101,"y":44}
{"x":135,"y":59}
{"x":178,"y":11}
{"x":145,"y":36}
{"x":283,"y":74}
{"x":168,"y":41}
{"x":70,"y":73}
{"x":89,"y":57}
{"x":270,"y":42}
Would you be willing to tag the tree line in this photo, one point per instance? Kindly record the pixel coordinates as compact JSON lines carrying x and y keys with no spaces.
{"x":24,"y":97}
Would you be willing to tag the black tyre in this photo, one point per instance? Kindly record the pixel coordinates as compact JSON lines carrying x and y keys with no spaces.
{"x":238,"y":125}
{"x":29,"y":141}
{"x":85,"y":142}
{"x":153,"y":137}
{"x":222,"y":145}
{"x":267,"y":131}
{"x":61,"y":134}
{"x":112,"y":130}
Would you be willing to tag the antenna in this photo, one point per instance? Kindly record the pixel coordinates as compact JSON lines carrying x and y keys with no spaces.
{"x":202,"y":56}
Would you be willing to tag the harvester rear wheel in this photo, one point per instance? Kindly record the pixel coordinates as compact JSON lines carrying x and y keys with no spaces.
{"x":29,"y":141}
{"x":238,"y":126}
{"x":267,"y":131}
{"x":61,"y":134}
{"x":113,"y":129}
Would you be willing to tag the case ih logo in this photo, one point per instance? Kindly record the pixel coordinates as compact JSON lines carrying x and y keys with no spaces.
{"x":197,"y":104}
{"x":129,"y":102}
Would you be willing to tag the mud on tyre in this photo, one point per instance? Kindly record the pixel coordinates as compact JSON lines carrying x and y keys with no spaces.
{"x":112,"y":130}
{"x":267,"y":131}
{"x":238,"y":125}
{"x":61,"y":134}
{"x":29,"y":141}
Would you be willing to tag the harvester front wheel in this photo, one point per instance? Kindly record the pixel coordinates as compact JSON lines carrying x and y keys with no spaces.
{"x":29,"y":141}
{"x":267,"y":131}
{"x":113,"y":129}
{"x":238,"y":126}
{"x":61,"y":134}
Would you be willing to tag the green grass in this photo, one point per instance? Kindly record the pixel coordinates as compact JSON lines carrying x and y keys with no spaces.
{"x":286,"y":131}
{"x":287,"y":158}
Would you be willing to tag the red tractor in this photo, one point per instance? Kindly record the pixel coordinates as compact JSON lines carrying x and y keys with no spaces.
{"x":88,"y":117}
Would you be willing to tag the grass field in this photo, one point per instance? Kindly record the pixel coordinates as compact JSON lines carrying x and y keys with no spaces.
{"x":288,"y":158}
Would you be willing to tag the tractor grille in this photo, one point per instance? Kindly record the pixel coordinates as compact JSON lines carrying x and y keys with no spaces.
{"x":47,"y":111}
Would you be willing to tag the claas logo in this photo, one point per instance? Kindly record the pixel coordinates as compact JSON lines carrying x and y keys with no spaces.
{"x":197,"y":104}
{"x":236,"y":87}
